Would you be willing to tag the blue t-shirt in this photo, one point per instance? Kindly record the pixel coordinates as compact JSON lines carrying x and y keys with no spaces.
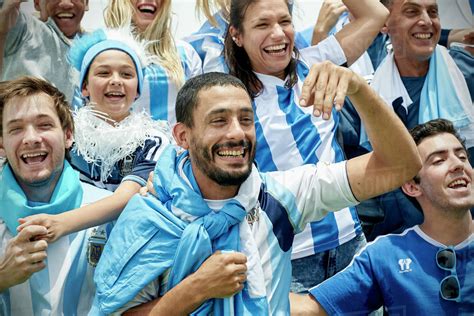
{"x":400,"y":273}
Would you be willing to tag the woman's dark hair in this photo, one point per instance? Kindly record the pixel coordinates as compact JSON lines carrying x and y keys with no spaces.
{"x":236,"y":57}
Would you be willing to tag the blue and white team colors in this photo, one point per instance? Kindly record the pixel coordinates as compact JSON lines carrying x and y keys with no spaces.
{"x":400,"y":272}
{"x":159,"y":92}
{"x":289,"y":135}
{"x":287,"y":200}
{"x":65,"y":286}
{"x":208,"y":42}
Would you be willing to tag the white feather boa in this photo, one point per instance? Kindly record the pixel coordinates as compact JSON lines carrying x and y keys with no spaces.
{"x":104,"y":144}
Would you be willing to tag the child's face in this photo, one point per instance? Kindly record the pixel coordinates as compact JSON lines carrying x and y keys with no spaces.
{"x":112,"y":83}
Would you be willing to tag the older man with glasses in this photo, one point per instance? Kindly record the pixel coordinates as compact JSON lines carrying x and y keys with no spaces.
{"x":427,"y":269}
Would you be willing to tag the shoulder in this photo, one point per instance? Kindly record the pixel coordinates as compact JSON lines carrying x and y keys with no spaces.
{"x":92,"y":193}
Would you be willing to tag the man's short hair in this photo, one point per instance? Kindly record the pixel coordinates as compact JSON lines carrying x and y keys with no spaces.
{"x":29,"y":86}
{"x":187,"y":99}
{"x":435,"y":127}
{"x":429,"y":129}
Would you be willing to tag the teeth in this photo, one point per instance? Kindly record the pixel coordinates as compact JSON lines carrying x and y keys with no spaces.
{"x":457,"y":183}
{"x":32,"y":155}
{"x":115,"y":94}
{"x":422,"y":35}
{"x":231,"y":153}
{"x":65,"y":15}
{"x":147,"y":8}
{"x":275,"y":47}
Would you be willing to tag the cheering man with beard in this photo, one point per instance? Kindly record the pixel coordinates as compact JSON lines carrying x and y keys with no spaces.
{"x":216,"y":236}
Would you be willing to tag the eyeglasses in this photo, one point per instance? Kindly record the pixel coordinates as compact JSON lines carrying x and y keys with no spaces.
{"x":450,"y":289}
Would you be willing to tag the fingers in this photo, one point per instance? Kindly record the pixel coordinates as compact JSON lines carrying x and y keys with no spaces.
{"x":326,"y":86}
{"x":149,"y":184}
{"x":238,"y":257}
{"x":30,"y":232}
{"x":143,"y":191}
{"x":32,"y":220}
{"x":320,"y":92}
{"x":307,"y":97}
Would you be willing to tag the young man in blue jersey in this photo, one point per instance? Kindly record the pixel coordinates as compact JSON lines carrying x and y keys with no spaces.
{"x":218,"y":238}
{"x":420,"y":81}
{"x":36,"y":126}
{"x":428,"y":269}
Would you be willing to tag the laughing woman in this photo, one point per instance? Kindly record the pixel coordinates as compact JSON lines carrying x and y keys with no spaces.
{"x":260,"y":50}
{"x":208,"y":41}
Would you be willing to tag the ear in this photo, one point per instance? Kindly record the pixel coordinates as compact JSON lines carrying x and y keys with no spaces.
{"x":180,"y":134}
{"x":236,"y":36}
{"x":85,"y":90}
{"x":2,"y":149}
{"x":412,"y":189}
{"x":68,"y":138}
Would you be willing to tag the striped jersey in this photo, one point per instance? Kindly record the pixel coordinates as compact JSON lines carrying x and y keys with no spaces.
{"x":289,"y":136}
{"x":65,"y":286}
{"x":159,"y":93}
{"x":287,"y":200}
{"x":208,"y":42}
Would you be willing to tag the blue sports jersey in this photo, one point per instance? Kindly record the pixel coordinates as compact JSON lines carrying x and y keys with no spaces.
{"x":400,"y":273}
{"x":289,"y":136}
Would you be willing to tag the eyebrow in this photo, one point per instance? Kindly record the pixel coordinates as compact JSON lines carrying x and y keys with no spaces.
{"x":124,"y":65}
{"x":433,"y":5}
{"x":40,"y":116}
{"x":444,"y":151}
{"x":219,"y":111}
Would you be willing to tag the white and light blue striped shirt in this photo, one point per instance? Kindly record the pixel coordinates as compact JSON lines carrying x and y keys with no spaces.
{"x":65,"y":286}
{"x":289,"y":136}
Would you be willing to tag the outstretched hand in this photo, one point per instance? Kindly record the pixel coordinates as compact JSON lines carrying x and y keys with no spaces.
{"x":54,"y":227}
{"x":326,"y":86}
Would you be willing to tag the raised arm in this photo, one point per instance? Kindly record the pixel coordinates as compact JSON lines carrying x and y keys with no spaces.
{"x":9,"y":12}
{"x":328,"y":15}
{"x":394,"y":158}
{"x":356,"y":37}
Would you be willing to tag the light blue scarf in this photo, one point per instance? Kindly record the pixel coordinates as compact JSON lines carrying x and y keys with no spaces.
{"x":444,"y":93}
{"x":180,"y":233}
{"x":67,"y":195}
